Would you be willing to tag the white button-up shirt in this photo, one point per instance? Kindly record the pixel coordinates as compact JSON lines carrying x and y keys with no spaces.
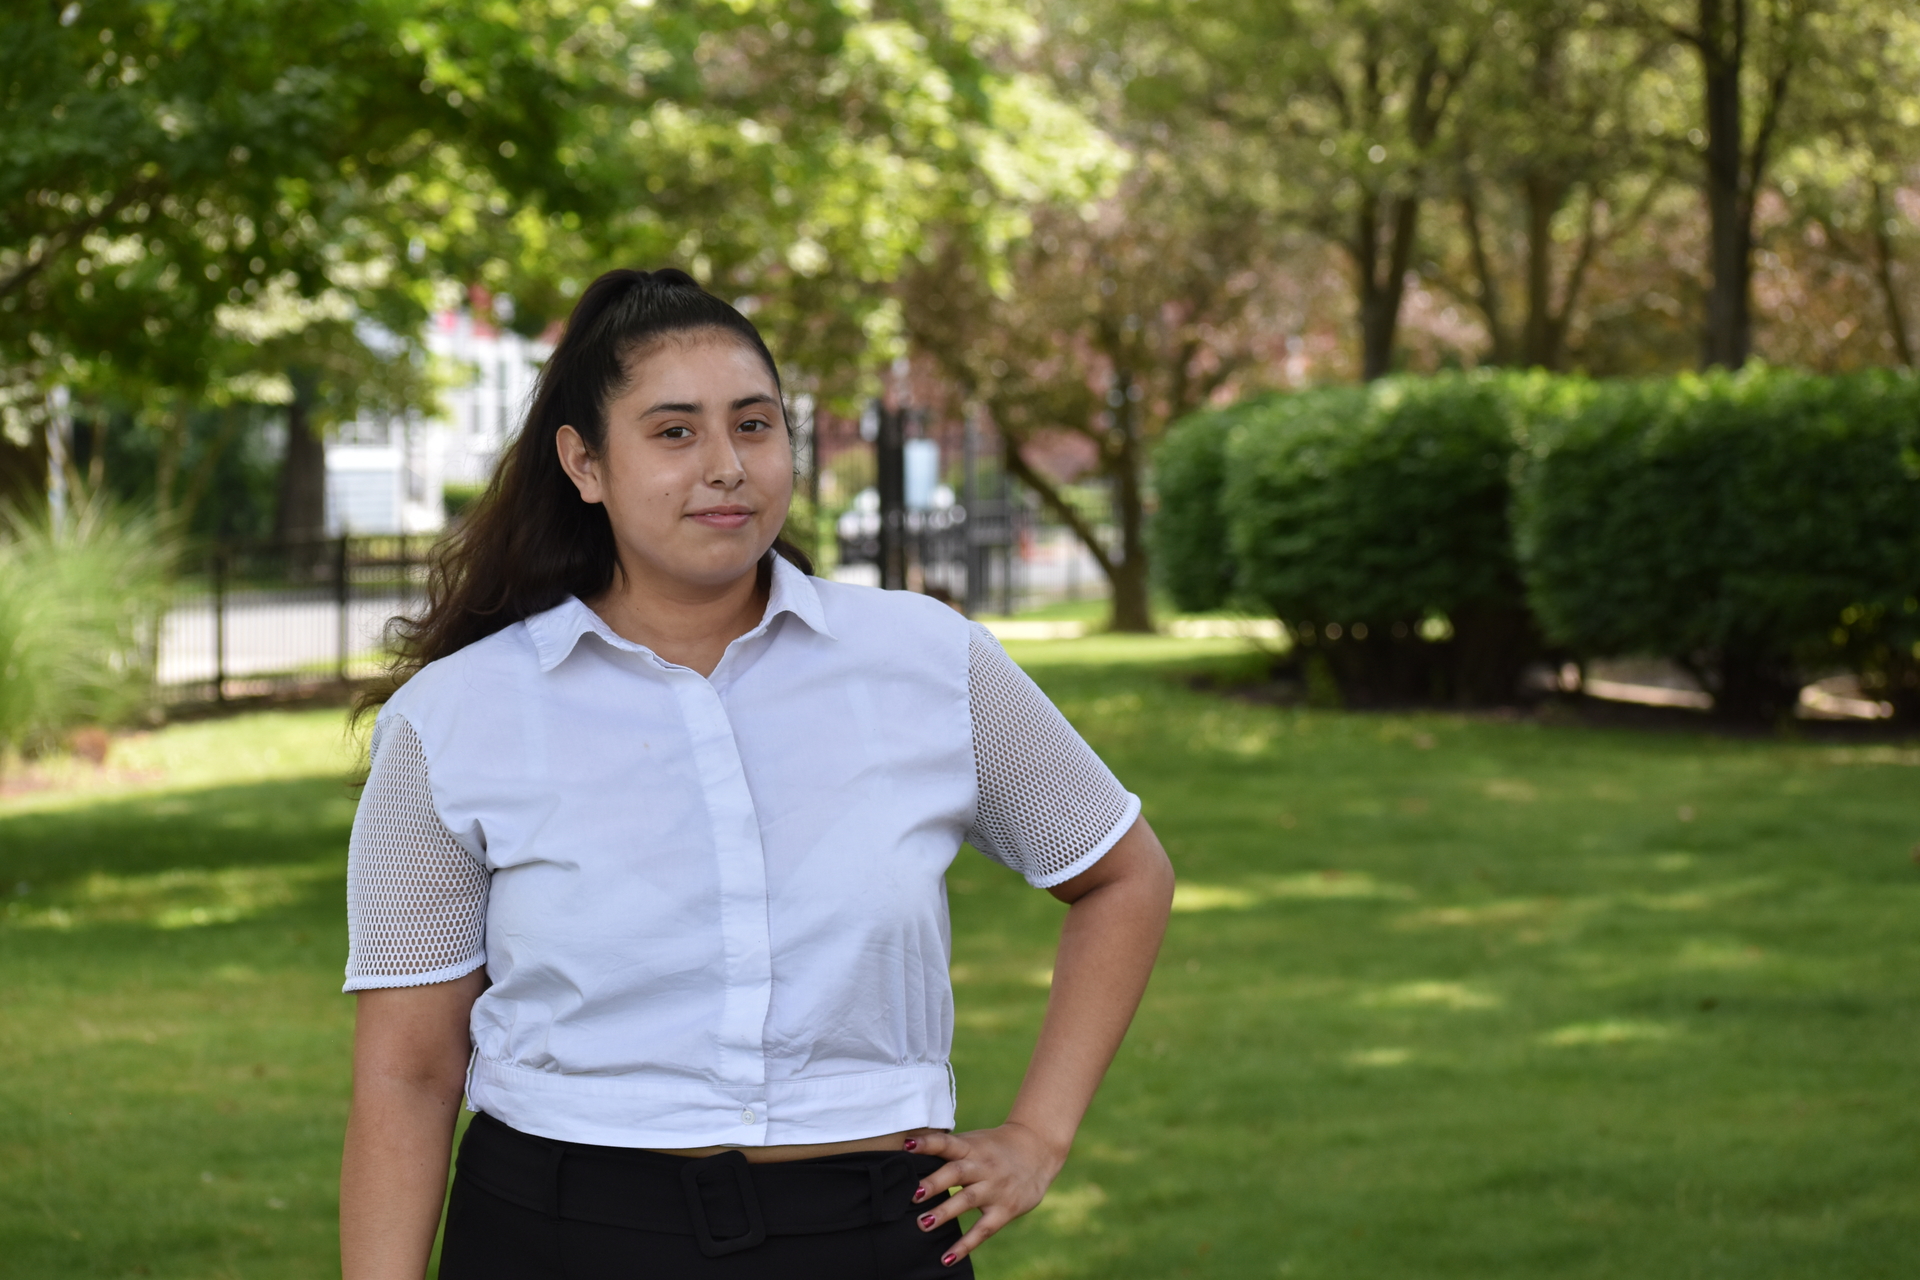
{"x":712,"y":909}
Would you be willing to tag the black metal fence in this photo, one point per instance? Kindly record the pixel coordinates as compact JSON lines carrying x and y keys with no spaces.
{"x":254,"y":619}
{"x":968,"y":555}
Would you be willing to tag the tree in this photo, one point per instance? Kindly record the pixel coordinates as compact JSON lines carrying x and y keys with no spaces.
{"x":1108,"y":324}
{"x":164,"y":162}
{"x":1553,"y":165}
{"x":789,"y":154}
{"x":1841,"y":183}
{"x":1349,"y":104}
{"x":1748,"y":51}
{"x":380,"y":150}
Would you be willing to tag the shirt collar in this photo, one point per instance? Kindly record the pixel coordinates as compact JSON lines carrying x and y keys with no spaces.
{"x":556,"y":632}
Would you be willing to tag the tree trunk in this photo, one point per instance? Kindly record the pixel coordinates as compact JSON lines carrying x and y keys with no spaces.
{"x":1883,"y":273}
{"x":1127,"y":579}
{"x":166,"y":467}
{"x":1383,"y":285}
{"x":1722,"y":42}
{"x":1752,"y":685}
{"x":1537,"y":344}
{"x":1132,"y":609}
{"x":301,"y":513}
{"x":1492,"y":308}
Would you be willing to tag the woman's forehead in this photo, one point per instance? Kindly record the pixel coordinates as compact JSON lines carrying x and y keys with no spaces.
{"x":709,"y":361}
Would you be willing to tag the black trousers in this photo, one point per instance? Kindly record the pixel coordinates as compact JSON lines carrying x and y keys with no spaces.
{"x":529,"y":1208}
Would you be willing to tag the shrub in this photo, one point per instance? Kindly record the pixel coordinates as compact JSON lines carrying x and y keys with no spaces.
{"x":1192,"y":558}
{"x":456,"y":497}
{"x":1372,"y":521}
{"x":78,"y":610}
{"x":1744,"y":525}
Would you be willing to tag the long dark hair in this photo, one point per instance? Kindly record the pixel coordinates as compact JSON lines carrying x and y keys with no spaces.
{"x":529,"y":541}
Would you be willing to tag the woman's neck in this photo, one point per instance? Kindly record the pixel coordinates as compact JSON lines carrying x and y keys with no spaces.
{"x":690,"y":624}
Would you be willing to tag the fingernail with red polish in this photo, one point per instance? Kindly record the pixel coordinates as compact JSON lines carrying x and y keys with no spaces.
{"x":926,"y":1220}
{"x":948,"y":1261}
{"x":919,"y":1194}
{"x":913,"y":1144}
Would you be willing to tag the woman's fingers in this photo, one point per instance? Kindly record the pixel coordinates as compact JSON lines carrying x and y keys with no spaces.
{"x":990,"y":1221}
{"x":950,"y":1147}
{"x":946,"y":1178}
{"x":1001,"y":1172}
{"x":962,"y":1200}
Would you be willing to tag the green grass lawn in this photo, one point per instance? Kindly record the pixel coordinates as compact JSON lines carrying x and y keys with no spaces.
{"x":1443,"y":997}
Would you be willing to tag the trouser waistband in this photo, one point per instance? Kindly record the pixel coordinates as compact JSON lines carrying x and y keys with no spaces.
{"x":724,"y":1202}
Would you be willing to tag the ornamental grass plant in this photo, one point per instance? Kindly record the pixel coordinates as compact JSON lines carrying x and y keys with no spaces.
{"x":79,"y":610}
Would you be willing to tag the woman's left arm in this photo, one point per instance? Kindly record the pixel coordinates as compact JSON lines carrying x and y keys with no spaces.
{"x":1116,"y":916}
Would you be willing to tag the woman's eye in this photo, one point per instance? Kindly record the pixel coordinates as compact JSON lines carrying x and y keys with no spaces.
{"x":756,"y":424}
{"x":677,"y":433}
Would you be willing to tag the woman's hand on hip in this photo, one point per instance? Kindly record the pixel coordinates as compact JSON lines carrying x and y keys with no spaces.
{"x":1003,"y":1172}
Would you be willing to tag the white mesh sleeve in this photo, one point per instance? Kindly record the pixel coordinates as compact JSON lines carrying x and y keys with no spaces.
{"x":416,"y":900}
{"x":1048,"y":807}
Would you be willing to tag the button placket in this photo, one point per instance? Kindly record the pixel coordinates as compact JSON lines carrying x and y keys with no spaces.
{"x":740,"y":867}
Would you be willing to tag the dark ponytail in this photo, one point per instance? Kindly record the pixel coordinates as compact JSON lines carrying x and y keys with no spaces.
{"x":529,"y":542}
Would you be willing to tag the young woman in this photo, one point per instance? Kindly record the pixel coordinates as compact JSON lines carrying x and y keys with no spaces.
{"x":649,"y":865}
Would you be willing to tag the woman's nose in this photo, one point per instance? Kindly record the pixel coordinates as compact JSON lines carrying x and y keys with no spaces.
{"x":724,"y":467}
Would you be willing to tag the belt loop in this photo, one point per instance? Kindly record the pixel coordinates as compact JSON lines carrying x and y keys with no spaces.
{"x":557,"y":1154}
{"x":877,"y":1187}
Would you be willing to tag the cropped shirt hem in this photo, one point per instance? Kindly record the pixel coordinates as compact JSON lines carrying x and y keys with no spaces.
{"x":388,"y":981}
{"x":1128,"y":817}
{"x":613,"y":1111}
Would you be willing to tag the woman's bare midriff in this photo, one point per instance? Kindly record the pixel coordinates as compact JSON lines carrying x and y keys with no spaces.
{"x":806,"y":1150}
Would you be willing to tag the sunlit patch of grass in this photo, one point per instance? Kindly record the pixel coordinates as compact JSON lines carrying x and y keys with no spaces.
{"x":1430,"y":995}
{"x":1717,"y":956}
{"x":260,"y":747}
{"x":1607,"y":1031}
{"x":1332,"y":885}
{"x":1073,"y":1210}
{"x":183,"y":898}
{"x":1510,"y":912}
{"x":1382,"y":1057}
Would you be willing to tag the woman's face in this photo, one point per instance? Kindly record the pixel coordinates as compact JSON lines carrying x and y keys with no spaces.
{"x":697,"y":471}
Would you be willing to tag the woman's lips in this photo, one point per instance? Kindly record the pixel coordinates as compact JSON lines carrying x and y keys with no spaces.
{"x":722,"y":517}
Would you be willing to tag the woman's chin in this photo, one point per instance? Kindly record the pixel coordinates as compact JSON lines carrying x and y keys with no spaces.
{"x":723,"y":560}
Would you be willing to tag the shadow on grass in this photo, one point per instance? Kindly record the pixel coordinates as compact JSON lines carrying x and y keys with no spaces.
{"x":278,"y":823}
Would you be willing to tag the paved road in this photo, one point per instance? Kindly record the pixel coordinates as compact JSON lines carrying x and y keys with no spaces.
{"x":274,"y":633}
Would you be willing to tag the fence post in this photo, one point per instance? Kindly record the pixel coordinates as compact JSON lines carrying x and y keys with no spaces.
{"x":406,"y":575}
{"x":220,"y":624}
{"x":891,"y":481}
{"x":341,"y":600}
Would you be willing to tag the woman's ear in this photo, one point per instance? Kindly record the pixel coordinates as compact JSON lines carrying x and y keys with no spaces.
{"x":579,"y":463}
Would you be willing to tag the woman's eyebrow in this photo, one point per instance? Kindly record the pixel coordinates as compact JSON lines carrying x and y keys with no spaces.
{"x":688,"y":406}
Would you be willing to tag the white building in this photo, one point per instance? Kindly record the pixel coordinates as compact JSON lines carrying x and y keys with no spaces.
{"x":389,"y":475}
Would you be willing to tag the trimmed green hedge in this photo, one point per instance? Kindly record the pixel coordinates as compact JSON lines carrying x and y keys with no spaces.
{"x":1755,"y":528}
{"x":1190,"y":548}
{"x":1372,"y":520}
{"x":1426,"y":538}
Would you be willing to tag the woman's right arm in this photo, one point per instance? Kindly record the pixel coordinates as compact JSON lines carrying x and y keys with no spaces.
{"x":410,"y":1050}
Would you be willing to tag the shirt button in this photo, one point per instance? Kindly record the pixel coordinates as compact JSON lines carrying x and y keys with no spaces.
{"x":746,"y":1117}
